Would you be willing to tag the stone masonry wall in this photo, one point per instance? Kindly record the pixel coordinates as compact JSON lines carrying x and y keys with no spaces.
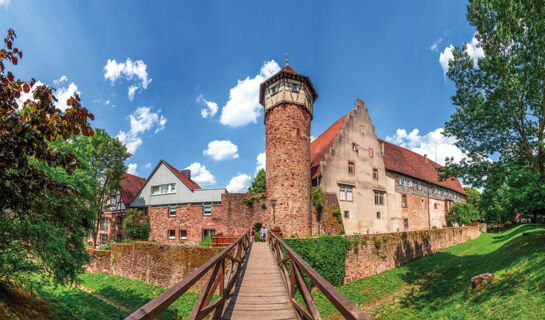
{"x":153,"y":263}
{"x":188,"y":218}
{"x":288,"y":167}
{"x":377,"y":253}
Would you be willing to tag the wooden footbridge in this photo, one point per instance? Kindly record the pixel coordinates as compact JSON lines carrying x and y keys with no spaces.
{"x":253,"y":280}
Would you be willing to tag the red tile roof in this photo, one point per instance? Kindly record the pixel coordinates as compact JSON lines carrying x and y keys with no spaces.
{"x":188,"y":182}
{"x":130,"y":185}
{"x":410,"y":163}
{"x":320,"y":146}
{"x":396,"y":159}
{"x":288,"y":69}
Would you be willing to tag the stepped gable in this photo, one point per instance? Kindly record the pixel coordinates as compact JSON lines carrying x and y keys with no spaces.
{"x":410,"y":163}
{"x":397,"y":159}
{"x":188,"y":182}
{"x":321,"y":145}
{"x":130,"y":185}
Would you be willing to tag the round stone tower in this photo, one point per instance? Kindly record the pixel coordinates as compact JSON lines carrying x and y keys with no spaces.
{"x":288,"y":99}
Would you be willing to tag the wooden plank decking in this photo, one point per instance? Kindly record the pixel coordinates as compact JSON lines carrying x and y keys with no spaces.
{"x":260,"y":292}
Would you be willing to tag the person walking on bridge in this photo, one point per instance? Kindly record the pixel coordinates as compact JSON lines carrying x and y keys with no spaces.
{"x":263,"y":233}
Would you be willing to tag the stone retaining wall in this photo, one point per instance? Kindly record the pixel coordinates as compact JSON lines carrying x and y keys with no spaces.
{"x":377,"y":253}
{"x":153,"y":263}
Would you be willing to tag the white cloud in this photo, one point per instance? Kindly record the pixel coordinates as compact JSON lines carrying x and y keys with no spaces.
{"x":64,"y":93}
{"x":211,"y":105}
{"x":132,"y":168}
{"x":474,"y":50}
{"x":62,"y":79}
{"x":147,"y":165}
{"x":221,"y":150}
{"x":239,"y":183}
{"x":129,"y":70}
{"x":434,"y":45}
{"x":445,"y":57}
{"x":428,"y":144}
{"x":141,"y":120}
{"x":28,"y":96}
{"x":200,"y":174}
{"x":4,"y":3}
{"x":243,"y":106}
{"x":261,"y":162}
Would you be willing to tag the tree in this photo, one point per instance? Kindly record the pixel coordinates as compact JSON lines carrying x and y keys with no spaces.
{"x":318,"y":200}
{"x":469,"y":211}
{"x":500,"y":98}
{"x":135,"y":226}
{"x":259,"y":184}
{"x":106,"y":157}
{"x":37,"y":231}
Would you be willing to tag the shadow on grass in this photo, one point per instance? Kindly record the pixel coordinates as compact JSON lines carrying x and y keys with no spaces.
{"x":444,"y":278}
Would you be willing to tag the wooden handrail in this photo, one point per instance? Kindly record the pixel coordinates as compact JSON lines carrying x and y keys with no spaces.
{"x":293,"y":276}
{"x":203,"y":306}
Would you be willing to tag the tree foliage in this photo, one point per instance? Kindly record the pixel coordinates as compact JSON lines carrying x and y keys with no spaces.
{"x":259,"y":184}
{"x":135,"y":226}
{"x":43,"y":215}
{"x":500,"y":101}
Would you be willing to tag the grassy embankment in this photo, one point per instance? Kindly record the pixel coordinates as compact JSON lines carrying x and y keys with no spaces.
{"x":439,"y":286}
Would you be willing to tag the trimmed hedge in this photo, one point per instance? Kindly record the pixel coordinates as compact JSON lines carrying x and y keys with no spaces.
{"x":326,"y":254}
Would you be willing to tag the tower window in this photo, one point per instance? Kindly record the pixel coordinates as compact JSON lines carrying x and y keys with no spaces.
{"x":298,"y":131}
{"x":351,"y":167}
{"x":294,"y":87}
{"x":375,"y":174}
{"x":273,"y":90}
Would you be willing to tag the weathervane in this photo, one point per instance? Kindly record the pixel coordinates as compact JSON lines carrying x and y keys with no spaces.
{"x":286,"y":59}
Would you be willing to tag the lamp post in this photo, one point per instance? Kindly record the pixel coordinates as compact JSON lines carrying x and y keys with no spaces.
{"x":273,"y":203}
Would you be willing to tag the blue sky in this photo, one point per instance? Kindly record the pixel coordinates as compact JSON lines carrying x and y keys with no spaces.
{"x":178,"y":57}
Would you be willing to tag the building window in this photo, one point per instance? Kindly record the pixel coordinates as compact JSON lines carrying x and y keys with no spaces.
{"x":419,"y":185}
{"x":379,"y":198}
{"x":410,"y":183}
{"x":351,"y":167}
{"x":163,"y":189}
{"x":119,"y":221}
{"x":346,"y":214}
{"x":145,"y":212}
{"x":435,"y":205}
{"x":371,"y":153}
{"x":172,"y":211}
{"x":274,"y":89}
{"x":378,"y":214}
{"x":362,"y":129}
{"x":354,"y":147}
{"x":208,"y":232}
{"x":375,"y":174}
{"x":294,"y":87}
{"x":434,"y":189}
{"x":104,"y":224}
{"x":345,"y":193}
{"x":404,"y":200}
{"x":103,"y":238}
{"x":171,"y":234}
{"x":298,"y":132}
{"x":183,"y":234}
{"x":406,"y":223}
{"x":207,"y":209}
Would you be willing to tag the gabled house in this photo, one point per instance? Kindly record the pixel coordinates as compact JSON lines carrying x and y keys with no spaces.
{"x":178,"y":208}
{"x":111,"y":225}
{"x":381,"y":187}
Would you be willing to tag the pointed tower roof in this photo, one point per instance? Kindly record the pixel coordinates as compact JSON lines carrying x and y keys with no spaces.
{"x":287,"y":68}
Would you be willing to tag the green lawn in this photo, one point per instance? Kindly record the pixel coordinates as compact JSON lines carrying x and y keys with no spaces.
{"x":439,"y":286}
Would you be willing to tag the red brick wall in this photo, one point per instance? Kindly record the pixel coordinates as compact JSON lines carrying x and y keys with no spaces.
{"x":113,"y":228}
{"x":287,"y":131}
{"x":188,"y":218}
{"x":379,"y":252}
{"x":159,"y":264}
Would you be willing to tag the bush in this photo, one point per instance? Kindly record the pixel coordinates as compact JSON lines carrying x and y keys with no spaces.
{"x":206,"y":241}
{"x":326,"y":255}
{"x":135,"y":226}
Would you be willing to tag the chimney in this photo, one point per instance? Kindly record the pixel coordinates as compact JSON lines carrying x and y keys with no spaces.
{"x":187,"y":173}
{"x":382,"y":148}
{"x":426,"y":157}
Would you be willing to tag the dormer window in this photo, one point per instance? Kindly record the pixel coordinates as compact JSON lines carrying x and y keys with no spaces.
{"x":163,"y":189}
{"x":294,"y":87}
{"x":273,"y":89}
